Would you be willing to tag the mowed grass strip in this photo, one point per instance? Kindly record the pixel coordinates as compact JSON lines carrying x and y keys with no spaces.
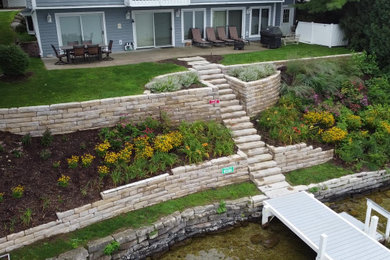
{"x":316,"y":174}
{"x":7,"y":35}
{"x":134,"y":219}
{"x":285,"y":52}
{"x":46,"y":87}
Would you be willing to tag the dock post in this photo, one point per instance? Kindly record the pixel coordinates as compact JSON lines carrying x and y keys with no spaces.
{"x":368,"y":215}
{"x":265,"y":215}
{"x":322,"y":247}
{"x":373,"y":226}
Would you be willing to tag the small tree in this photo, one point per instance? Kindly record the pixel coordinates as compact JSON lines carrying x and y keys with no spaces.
{"x":13,"y":60}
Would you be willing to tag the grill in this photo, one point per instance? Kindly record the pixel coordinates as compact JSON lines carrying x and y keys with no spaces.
{"x":271,"y":37}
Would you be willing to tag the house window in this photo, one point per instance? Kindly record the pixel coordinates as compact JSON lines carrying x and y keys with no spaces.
{"x":225,"y":18}
{"x":192,"y":19}
{"x":260,"y":19}
{"x":286,"y":15}
{"x":81,"y":27}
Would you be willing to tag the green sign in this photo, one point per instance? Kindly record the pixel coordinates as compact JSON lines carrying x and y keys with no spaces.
{"x":227,"y":170}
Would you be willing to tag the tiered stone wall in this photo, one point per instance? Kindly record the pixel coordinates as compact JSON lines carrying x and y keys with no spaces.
{"x":299,"y":156}
{"x":189,"y":105}
{"x":184,"y":180}
{"x":256,"y":96}
{"x":350,"y":184}
{"x":158,"y":237}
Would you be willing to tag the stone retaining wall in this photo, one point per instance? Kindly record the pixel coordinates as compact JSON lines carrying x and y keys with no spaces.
{"x":256,"y":96}
{"x":299,"y":156}
{"x":158,"y":237}
{"x":350,"y":184}
{"x":183,"y":181}
{"x":189,"y":105}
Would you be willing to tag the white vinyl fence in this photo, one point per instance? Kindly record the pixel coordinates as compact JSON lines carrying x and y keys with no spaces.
{"x":322,"y":34}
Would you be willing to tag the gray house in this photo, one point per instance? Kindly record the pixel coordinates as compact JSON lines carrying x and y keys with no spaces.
{"x":149,"y":23}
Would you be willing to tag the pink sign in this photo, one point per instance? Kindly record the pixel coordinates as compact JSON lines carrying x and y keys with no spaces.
{"x":214,"y":101}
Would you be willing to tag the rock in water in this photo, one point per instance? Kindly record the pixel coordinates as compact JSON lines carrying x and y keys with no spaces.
{"x":256,"y":239}
{"x":271,"y":241}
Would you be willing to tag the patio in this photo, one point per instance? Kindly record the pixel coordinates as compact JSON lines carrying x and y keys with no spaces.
{"x":152,"y":55}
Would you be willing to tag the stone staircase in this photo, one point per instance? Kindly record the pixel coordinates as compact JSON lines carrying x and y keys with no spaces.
{"x":263,"y":169}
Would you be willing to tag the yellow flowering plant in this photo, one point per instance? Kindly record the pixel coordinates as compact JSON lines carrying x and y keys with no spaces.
{"x":334,"y":135}
{"x":103,"y":170}
{"x":111,"y":158}
{"x":87,"y":159}
{"x":124,"y":155}
{"x":324,"y":118}
{"x":73,"y":161}
{"x":102,"y":148}
{"x":63,"y":181}
{"x":18,"y":191}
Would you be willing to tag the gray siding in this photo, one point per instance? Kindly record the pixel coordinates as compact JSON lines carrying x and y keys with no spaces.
{"x":60,"y":3}
{"x":233,"y":1}
{"x":289,"y":2}
{"x":29,"y":4}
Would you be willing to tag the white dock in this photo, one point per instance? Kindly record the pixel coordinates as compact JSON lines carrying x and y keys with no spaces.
{"x":329,"y":234}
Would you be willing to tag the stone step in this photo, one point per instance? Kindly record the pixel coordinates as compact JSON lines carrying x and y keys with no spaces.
{"x":200,"y":62}
{"x":229,"y":103}
{"x":266,"y":173}
{"x":211,"y":77}
{"x":230,"y":122}
{"x":225,"y":91}
{"x":271,"y":179}
{"x":223,"y":86}
{"x":257,"y":151}
{"x":262,"y":166}
{"x":259,"y":158}
{"x":188,"y":59}
{"x":274,"y":186}
{"x":217,"y":81}
{"x":208,"y":72}
{"x":227,"y":97}
{"x":231,"y":109}
{"x":233,"y":114}
{"x":250,"y":145}
{"x":205,"y":67}
{"x":244,"y":132}
{"x":246,"y":139}
{"x":239,"y":126}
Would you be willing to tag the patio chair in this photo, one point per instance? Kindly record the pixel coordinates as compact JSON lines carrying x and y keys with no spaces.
{"x":89,"y":42}
{"x":222,"y":36}
{"x":59,"y":56}
{"x":108,"y":51}
{"x":211,"y":37}
{"x":78,"y":51}
{"x":234,"y":35}
{"x":92,"y":51}
{"x":197,"y":39}
{"x":74,"y":43}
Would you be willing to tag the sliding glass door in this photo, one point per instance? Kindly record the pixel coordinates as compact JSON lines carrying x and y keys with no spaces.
{"x":225,"y":18}
{"x":153,"y":29}
{"x":80,"y":27}
{"x":260,"y":19}
{"x":193,"y":19}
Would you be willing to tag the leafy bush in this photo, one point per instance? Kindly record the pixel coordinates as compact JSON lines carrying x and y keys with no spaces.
{"x":111,"y":248}
{"x":253,"y":72}
{"x":46,"y":138}
{"x":26,"y":140}
{"x":13,"y":60}
{"x":173,"y":83}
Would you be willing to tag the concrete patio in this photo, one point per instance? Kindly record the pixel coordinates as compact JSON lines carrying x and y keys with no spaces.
{"x":152,"y":55}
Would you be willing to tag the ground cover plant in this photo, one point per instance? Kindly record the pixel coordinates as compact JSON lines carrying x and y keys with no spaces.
{"x":285,"y":52}
{"x":56,"y":173}
{"x":45,"y":87}
{"x":340,"y":104}
{"x":134,"y":219}
{"x":174,"y":82}
{"x":253,"y":72}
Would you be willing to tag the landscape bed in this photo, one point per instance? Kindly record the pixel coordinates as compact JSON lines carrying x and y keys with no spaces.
{"x":49,"y":174}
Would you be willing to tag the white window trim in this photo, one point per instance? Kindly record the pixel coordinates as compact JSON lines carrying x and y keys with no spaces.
{"x":37,"y":32}
{"x":153,"y":11}
{"x":250,"y":18}
{"x":58,"y":15}
{"x":193,"y":20}
{"x":292,"y":12}
{"x":243,"y":17}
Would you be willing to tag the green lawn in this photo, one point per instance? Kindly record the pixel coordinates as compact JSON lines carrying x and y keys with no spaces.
{"x":286,"y":52}
{"x":7,"y":36}
{"x":58,"y":86}
{"x":316,"y":174}
{"x":134,"y":219}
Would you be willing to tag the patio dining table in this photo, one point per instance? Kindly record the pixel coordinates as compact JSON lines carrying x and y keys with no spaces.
{"x":68,"y":49}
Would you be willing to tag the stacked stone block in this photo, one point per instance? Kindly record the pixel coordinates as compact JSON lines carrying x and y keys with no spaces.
{"x":298,"y":156}
{"x":182,"y":181}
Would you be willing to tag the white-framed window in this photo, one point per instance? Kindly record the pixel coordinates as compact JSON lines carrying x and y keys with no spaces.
{"x":260,"y":18}
{"x":286,"y":15}
{"x":80,"y":27}
{"x":192,"y":18}
{"x":225,"y":17}
{"x":29,"y":24}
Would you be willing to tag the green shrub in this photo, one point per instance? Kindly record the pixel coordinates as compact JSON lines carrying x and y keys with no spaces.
{"x":45,"y":154}
{"x":188,"y":79}
{"x":46,"y":138}
{"x":253,"y":72}
{"x":379,"y":90}
{"x":222,"y":207}
{"x":26,"y":140}
{"x":173,"y":83}
{"x":111,"y":248}
{"x":13,"y":60}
